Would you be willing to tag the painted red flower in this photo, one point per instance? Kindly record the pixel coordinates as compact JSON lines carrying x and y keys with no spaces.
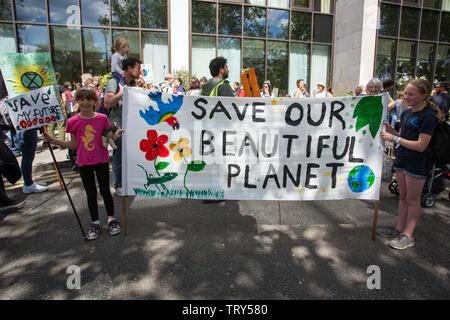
{"x":29,"y":123}
{"x":53,"y":118}
{"x":35,"y":121}
{"x":47,"y":119}
{"x":23,"y":124}
{"x":153,"y":146}
{"x":41,"y":120}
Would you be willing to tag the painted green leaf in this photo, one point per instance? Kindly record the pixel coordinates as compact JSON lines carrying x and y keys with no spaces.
{"x":196,"y":166}
{"x":161,"y":165}
{"x":49,"y":91}
{"x":369,"y":111}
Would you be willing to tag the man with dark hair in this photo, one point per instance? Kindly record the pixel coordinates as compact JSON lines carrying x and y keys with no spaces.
{"x":388,"y":84}
{"x":113,"y":102}
{"x":442,"y":100}
{"x":218,"y":85}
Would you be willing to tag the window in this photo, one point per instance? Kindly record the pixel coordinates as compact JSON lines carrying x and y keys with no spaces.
{"x":442,"y":64}
{"x":23,"y":12}
{"x":255,"y":22}
{"x":66,"y":53}
{"x":298,"y":65}
{"x":323,"y":28}
{"x":277,"y":64}
{"x":324,"y":6}
{"x":430,"y":20}
{"x":301,"y":3}
{"x":60,"y":10}
{"x":278,"y":24}
{"x":155,"y":47}
{"x":389,"y":16}
{"x":125,"y":13}
{"x":94,"y":12}
{"x":254,"y":56}
{"x":203,"y":17}
{"x":385,"y":64}
{"x":133,"y":37}
{"x":405,"y":63}
{"x":154,"y":14}
{"x":230,"y":48}
{"x":5,"y":10}
{"x":97,"y":51}
{"x":301,"y":26}
{"x":203,"y":51}
{"x":445,"y":27}
{"x":32,"y":38}
{"x":410,"y":19}
{"x":425,"y":61}
{"x":7,"y":38}
{"x":230,"y":20}
{"x":320,"y":65}
{"x":278,"y":3}
{"x":431,"y":4}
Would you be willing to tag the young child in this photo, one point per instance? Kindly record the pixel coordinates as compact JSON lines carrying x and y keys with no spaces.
{"x":412,"y":160}
{"x":85,"y":130}
{"x":120,"y":51}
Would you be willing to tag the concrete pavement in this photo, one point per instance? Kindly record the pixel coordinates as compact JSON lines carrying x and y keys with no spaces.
{"x":183,"y":249}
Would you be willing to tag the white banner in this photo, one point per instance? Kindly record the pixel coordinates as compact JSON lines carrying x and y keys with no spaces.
{"x":35,"y":109}
{"x":178,"y":146}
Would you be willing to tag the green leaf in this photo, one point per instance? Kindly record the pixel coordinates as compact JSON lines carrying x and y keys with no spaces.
{"x":369,"y":111}
{"x":196,"y":166}
{"x":49,"y":91}
{"x":161,"y":165}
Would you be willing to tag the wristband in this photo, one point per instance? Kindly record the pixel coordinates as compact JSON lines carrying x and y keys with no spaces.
{"x":397,"y":139}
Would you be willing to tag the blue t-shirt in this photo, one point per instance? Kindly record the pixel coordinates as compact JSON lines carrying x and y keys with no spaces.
{"x":412,"y":125}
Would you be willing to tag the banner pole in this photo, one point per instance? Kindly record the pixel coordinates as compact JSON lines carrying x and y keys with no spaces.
{"x":54,"y":166}
{"x":65,"y":188}
{"x":124,"y":215}
{"x":375,"y":218}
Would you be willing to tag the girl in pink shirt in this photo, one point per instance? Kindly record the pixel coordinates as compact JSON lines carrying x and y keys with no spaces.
{"x":85,"y":130}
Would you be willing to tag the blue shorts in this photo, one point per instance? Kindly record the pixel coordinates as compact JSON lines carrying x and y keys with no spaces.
{"x":416,"y":176}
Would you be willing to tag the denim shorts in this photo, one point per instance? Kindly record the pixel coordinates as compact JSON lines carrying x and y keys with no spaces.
{"x":416,"y":176}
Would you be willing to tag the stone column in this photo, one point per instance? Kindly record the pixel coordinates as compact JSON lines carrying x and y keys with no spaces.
{"x":179,"y":34}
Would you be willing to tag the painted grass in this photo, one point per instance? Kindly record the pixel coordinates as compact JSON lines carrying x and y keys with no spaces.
{"x":193,"y":194}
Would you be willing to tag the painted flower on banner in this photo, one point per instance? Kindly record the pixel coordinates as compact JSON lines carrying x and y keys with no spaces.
{"x":154,"y":145}
{"x":181,"y":149}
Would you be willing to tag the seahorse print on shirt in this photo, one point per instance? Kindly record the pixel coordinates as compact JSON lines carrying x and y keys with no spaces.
{"x":88,"y":137}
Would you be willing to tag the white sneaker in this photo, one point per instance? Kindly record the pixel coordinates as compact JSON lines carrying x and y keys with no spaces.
{"x":34,"y":188}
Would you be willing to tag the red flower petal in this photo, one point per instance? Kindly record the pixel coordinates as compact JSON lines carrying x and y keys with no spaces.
{"x":151,"y":154}
{"x":163,"y":151}
{"x":152,"y":135}
{"x":144,"y":145}
{"x":162,"y":139}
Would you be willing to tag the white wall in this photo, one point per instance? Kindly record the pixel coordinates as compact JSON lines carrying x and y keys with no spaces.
{"x":179,"y":33}
{"x":355,"y":38}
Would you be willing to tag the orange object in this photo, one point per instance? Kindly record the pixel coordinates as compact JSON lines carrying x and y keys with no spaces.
{"x":250,"y":83}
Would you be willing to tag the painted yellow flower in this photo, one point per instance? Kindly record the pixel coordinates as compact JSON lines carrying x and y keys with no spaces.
{"x":181,"y":149}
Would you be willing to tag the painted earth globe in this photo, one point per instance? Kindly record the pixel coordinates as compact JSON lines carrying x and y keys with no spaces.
{"x":361,"y":178}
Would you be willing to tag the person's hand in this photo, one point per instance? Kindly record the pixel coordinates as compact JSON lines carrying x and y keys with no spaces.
{"x":389,"y":128}
{"x":119,"y":132}
{"x":387,"y":136}
{"x":47,"y":138}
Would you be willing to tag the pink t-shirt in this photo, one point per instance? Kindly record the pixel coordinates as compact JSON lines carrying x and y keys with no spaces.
{"x":89,"y":136}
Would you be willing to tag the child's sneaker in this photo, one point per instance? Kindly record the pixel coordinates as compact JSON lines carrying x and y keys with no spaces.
{"x":34,"y":188}
{"x":114,"y":227}
{"x":94,"y":231}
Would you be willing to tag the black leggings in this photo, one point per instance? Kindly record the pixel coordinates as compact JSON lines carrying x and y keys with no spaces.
{"x":88,"y":177}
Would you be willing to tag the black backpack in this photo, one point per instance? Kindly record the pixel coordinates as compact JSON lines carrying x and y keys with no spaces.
{"x":440,"y":144}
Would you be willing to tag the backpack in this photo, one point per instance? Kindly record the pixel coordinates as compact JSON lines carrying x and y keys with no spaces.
{"x":101,"y":100}
{"x":440,"y":144}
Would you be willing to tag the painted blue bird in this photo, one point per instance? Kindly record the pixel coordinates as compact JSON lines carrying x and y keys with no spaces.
{"x":166,"y":111}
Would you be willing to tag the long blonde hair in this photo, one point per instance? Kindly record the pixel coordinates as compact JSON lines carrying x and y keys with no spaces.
{"x":119,"y":44}
{"x":424,"y":87}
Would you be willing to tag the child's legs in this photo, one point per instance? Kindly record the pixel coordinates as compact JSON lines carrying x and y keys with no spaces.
{"x":28,"y":149}
{"x":413,"y":199}
{"x":119,"y":77}
{"x":88,"y":178}
{"x":102,"y":171}
{"x":402,"y":204}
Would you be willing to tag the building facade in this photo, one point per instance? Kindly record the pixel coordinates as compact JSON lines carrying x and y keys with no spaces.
{"x":342,"y":43}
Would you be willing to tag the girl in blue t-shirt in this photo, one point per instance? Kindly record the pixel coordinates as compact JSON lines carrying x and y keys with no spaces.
{"x":411,"y":162}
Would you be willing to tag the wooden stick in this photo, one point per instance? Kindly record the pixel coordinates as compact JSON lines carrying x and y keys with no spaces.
{"x":124,"y":216}
{"x":54,"y":164}
{"x":375,"y":218}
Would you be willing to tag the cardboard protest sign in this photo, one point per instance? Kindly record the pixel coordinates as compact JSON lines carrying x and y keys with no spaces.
{"x":147,"y":73}
{"x":250,"y":83}
{"x":35,"y":109}
{"x":25,"y":72}
{"x":252,"y":148}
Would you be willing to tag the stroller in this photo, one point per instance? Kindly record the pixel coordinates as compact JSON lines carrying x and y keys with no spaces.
{"x":438,"y":180}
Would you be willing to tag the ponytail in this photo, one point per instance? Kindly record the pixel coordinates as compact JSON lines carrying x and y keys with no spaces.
{"x":437,"y":112}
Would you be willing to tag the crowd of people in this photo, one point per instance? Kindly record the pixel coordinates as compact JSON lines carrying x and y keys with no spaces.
{"x":90,"y":105}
